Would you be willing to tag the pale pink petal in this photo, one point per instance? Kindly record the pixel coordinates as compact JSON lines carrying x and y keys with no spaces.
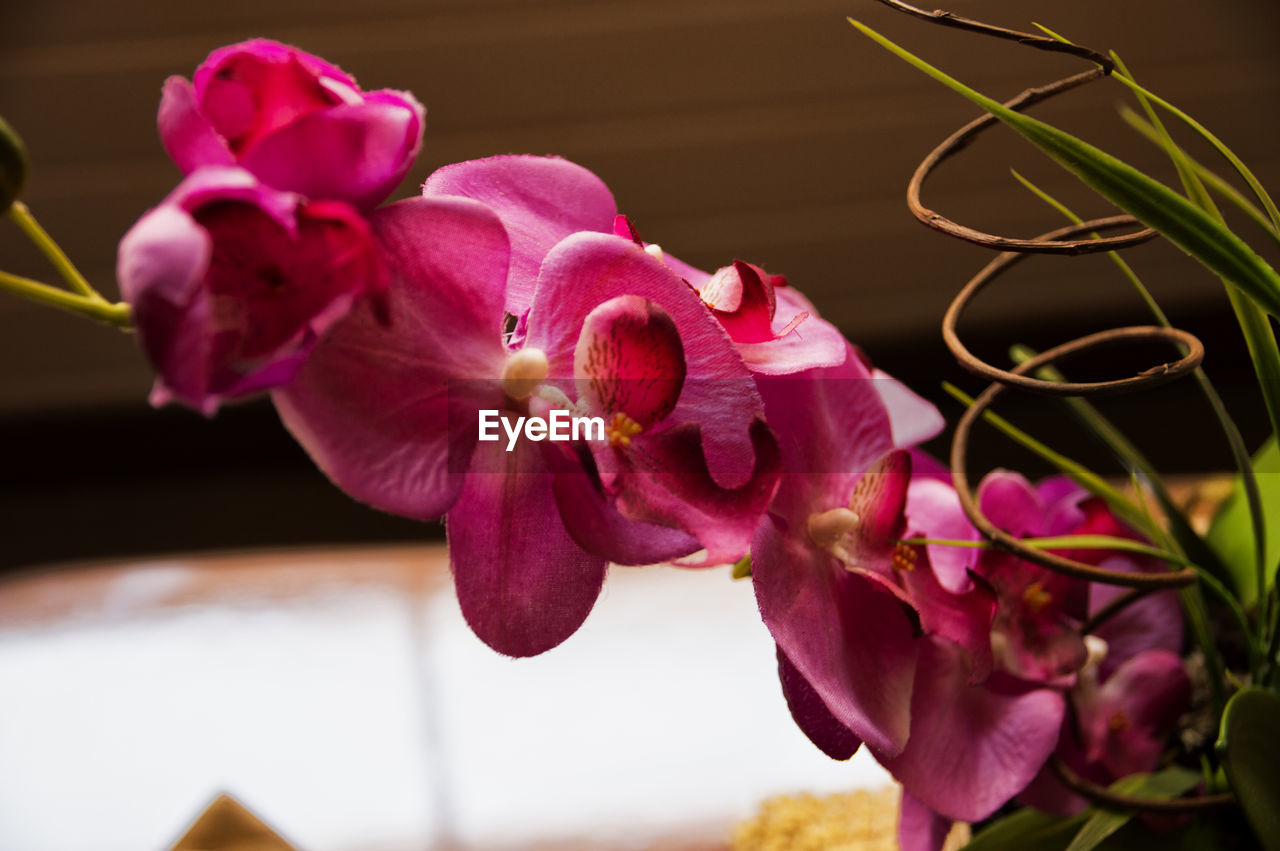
{"x":914,"y":418}
{"x":933,"y":511}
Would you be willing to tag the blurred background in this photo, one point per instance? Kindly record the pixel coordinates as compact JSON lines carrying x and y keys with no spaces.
{"x":756,"y":129}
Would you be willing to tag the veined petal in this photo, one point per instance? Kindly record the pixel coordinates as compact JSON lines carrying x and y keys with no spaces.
{"x":851,"y":641}
{"x":879,"y":500}
{"x":587,"y":269}
{"x":387,"y":411}
{"x":523,"y":584}
{"x":540,"y":201}
{"x":972,"y":748}
{"x":811,"y":714}
{"x":630,"y":361}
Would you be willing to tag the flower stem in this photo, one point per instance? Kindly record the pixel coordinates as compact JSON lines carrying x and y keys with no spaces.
{"x":96,"y":308}
{"x":22,"y":217}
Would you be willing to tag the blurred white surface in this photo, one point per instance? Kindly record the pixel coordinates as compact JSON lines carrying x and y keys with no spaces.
{"x":364,"y":714}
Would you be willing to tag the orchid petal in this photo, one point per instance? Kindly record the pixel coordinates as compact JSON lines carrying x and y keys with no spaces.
{"x":664,"y":479}
{"x":632,"y":360}
{"x":879,"y":500}
{"x":353,"y":152}
{"x":972,"y":748}
{"x":599,"y":528}
{"x":540,"y":200}
{"x":1154,"y":622}
{"x":811,"y":714}
{"x":187,"y":136}
{"x":920,"y":828}
{"x":523,"y":584}
{"x":587,"y":269}
{"x":850,"y":641}
{"x":386,"y":411}
{"x":743,"y":301}
{"x":933,"y":511}
{"x":914,"y":418}
{"x":1009,"y":501}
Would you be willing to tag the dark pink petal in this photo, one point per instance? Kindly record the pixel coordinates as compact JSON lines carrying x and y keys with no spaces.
{"x":1009,"y":501}
{"x":1062,"y":498}
{"x":1154,"y":622}
{"x":1125,"y":725}
{"x":831,"y":426}
{"x":812,"y":716}
{"x":664,"y":479}
{"x":920,"y":828}
{"x":238,"y":309}
{"x":598,"y":527}
{"x":587,"y":269}
{"x":540,"y":200}
{"x":356,"y":153}
{"x":933,"y":511}
{"x":187,"y":136}
{"x":879,"y":499}
{"x":268,"y":52}
{"x":972,"y":748}
{"x":964,"y":619}
{"x":250,"y":90}
{"x":629,"y":361}
{"x":850,"y":640}
{"x":378,"y":406}
{"x":523,"y":584}
{"x":914,"y":418}
{"x":742,"y":298}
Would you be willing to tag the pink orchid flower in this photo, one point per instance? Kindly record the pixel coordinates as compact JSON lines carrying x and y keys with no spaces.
{"x":233,"y":283}
{"x":391,"y":414}
{"x":294,"y":120}
{"x":823,"y":560}
{"x":976,"y":744}
{"x":1119,"y":724}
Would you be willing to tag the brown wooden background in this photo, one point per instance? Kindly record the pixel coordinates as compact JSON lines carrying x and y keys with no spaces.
{"x":767,"y":130}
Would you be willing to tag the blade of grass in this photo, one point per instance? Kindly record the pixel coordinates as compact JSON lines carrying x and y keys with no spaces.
{"x":1148,"y":200}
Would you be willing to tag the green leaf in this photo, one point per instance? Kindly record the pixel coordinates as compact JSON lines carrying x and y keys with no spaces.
{"x":1169,"y":783}
{"x":13,"y":166}
{"x":1250,"y":746}
{"x":1151,"y":202}
{"x":1028,"y":830}
{"x":1231,"y":534}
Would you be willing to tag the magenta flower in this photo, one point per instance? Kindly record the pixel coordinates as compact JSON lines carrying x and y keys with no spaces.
{"x":232,"y":283}
{"x":294,"y":120}
{"x":823,"y":560}
{"x":391,"y":414}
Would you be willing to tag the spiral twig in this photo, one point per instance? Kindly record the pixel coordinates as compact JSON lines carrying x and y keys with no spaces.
{"x":1071,"y":240}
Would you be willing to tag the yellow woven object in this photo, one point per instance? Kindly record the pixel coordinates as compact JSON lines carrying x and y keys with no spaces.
{"x":853,"y":821}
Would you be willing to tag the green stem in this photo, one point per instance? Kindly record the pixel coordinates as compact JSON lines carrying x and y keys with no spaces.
{"x":1065,"y":542}
{"x":23,"y":219}
{"x":93,"y":308}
